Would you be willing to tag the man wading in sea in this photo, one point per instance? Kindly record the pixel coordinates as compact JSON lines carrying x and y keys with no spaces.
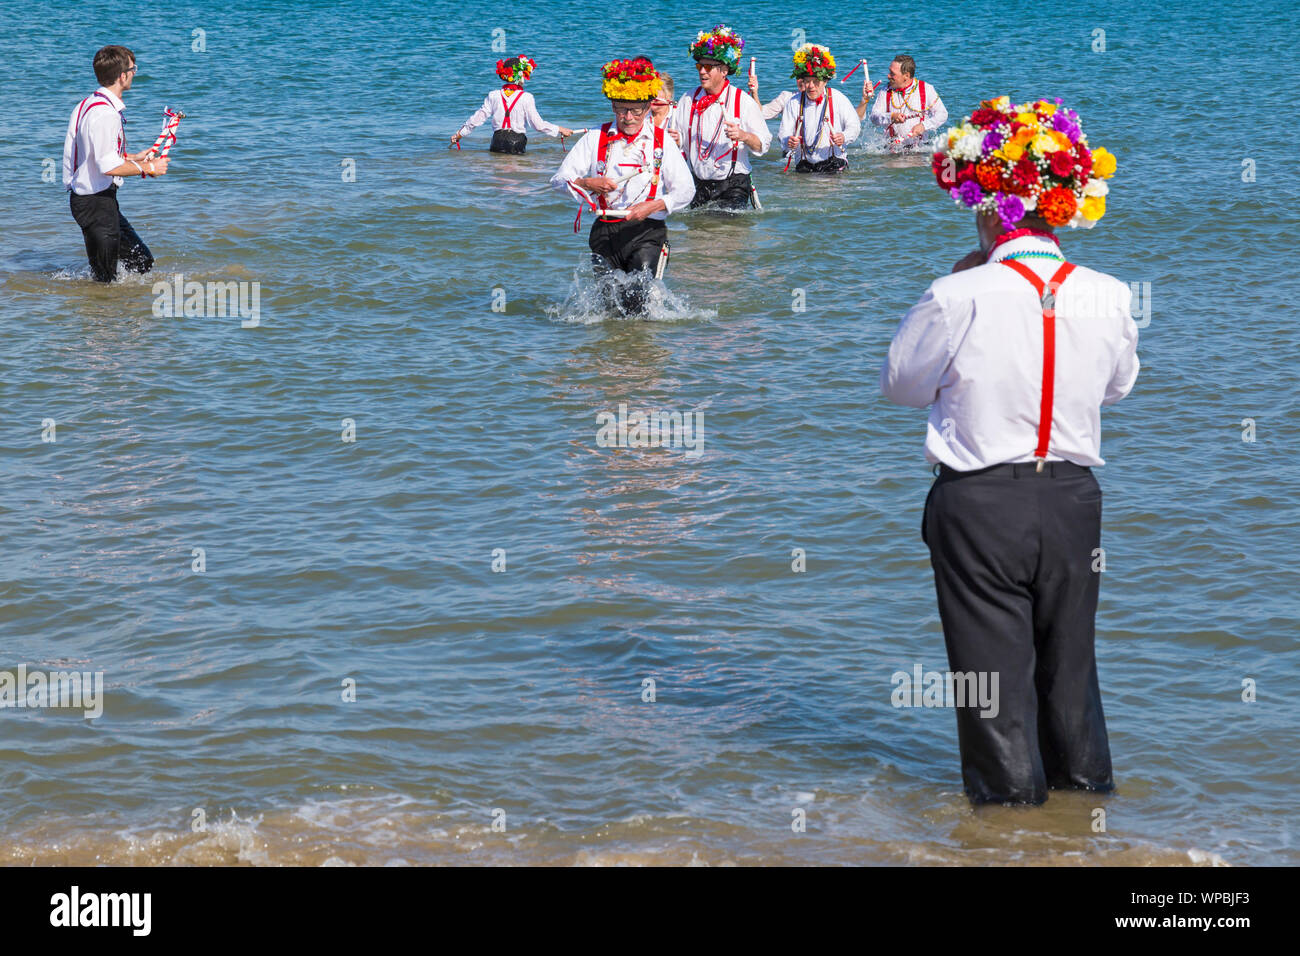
{"x":94,"y":165}
{"x":631,"y":173}
{"x":722,"y":125}
{"x":1016,"y":352}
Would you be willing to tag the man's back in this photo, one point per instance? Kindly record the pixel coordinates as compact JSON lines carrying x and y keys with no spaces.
{"x":973,"y":346}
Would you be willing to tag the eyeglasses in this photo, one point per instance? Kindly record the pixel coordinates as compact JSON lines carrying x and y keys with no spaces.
{"x":710,"y":66}
{"x":630,"y":110}
{"x":134,"y":68}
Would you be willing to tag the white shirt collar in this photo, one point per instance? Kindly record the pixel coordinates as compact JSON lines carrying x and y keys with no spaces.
{"x":112,"y":98}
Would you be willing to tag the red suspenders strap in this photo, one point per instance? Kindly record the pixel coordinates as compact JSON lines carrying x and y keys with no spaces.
{"x":921,"y":84}
{"x":505,"y":124}
{"x":85,"y":107}
{"x":602,"y":150}
{"x":657,"y":159}
{"x":1047,"y":295}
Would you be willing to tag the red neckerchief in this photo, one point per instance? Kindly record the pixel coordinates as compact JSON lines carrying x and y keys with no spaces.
{"x":511,"y":87}
{"x":615,"y":135}
{"x":1019,"y":234}
{"x":704,"y":102}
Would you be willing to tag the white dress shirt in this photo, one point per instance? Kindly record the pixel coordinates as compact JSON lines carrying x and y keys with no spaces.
{"x":908,"y":102}
{"x":773,"y":109}
{"x":676,"y":187}
{"x":98,"y":143}
{"x":523,"y":114}
{"x":817,"y":124}
{"x":972,"y":347}
{"x":708,"y":134}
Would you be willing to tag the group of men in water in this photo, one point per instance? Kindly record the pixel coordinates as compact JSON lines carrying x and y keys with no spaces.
{"x":658,"y":156}
{"x":1013,"y":521}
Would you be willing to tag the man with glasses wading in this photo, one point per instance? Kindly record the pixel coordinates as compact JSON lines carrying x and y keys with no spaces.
{"x":632,"y":175}
{"x":721,"y":126}
{"x":94,"y":163}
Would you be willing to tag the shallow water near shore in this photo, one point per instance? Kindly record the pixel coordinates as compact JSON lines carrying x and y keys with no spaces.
{"x":517,"y":696}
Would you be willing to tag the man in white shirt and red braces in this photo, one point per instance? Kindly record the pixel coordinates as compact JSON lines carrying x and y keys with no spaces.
{"x":1015,"y":352}
{"x":722,"y":127}
{"x":94,"y":163}
{"x":631,"y":175}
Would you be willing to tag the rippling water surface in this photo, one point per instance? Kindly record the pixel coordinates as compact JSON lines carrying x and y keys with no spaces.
{"x":521,"y":691}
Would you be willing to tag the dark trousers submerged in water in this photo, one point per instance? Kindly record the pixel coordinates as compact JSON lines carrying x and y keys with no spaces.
{"x":508,"y":141}
{"x":108,"y":236}
{"x":835,"y":164}
{"x":622,"y":246}
{"x":1013,"y":552}
{"x":730,"y":193}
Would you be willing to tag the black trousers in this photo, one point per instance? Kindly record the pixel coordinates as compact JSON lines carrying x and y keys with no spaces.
{"x":508,"y":141}
{"x":109,"y":237}
{"x":1013,"y":551}
{"x":730,"y":193}
{"x":833,"y":164}
{"x":619,"y":245}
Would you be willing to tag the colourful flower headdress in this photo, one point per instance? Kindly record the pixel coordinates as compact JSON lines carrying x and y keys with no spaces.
{"x":634,"y":79}
{"x":814,"y":61}
{"x":721,"y":44}
{"x":1028,"y":158}
{"x":516,"y":69}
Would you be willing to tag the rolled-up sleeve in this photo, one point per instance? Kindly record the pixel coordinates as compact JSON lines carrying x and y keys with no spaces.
{"x":919,"y":354}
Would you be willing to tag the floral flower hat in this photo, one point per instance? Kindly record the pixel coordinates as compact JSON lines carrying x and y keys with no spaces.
{"x":722,"y":44}
{"x":1034,"y":157}
{"x":516,"y":69}
{"x":813,"y":61}
{"x":634,"y":80}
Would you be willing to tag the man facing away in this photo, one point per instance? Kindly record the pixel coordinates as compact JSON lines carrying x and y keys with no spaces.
{"x":907,"y":109}
{"x":1016,"y":352}
{"x":95,"y":163}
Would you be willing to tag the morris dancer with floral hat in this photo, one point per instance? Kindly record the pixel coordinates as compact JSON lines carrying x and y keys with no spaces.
{"x":632,"y":175}
{"x":722,"y":126}
{"x":511,"y":109}
{"x":908,"y":109}
{"x":1015,"y":353}
{"x":818,"y":122}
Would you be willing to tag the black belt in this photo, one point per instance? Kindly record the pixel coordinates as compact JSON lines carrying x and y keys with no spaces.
{"x":1018,"y":469}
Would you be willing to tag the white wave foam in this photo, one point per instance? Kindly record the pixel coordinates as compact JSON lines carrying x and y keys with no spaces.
{"x":592,"y":299}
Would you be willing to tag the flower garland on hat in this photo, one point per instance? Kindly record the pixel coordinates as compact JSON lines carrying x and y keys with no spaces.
{"x":722,"y":44}
{"x":516,"y":69}
{"x":633,"y":80}
{"x":814,"y":61}
{"x":1034,"y":157}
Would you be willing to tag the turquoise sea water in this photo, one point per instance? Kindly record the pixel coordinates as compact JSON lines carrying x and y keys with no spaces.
{"x":521,"y":691}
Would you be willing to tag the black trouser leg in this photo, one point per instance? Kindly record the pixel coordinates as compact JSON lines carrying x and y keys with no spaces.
{"x":1012,"y":554}
{"x":135,"y":255}
{"x":101,"y":223}
{"x":1071,"y":723}
{"x":730,"y":193}
{"x":628,"y":247}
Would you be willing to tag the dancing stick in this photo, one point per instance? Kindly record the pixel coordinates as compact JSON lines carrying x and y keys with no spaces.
{"x":167,"y":138}
{"x":854,"y":70}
